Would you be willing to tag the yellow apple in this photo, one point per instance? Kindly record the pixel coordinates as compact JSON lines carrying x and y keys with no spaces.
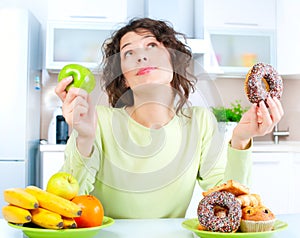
{"x":63,"y":184}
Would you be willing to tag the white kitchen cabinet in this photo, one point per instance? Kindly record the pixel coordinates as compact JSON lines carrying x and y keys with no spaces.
{"x":238,"y":50}
{"x":12,"y":176}
{"x":52,"y":159}
{"x":240,"y":34}
{"x":76,"y":42}
{"x":91,"y":10}
{"x":295,"y":183}
{"x":271,"y":178}
{"x":184,"y":8}
{"x":240,"y":14}
{"x":288,"y":37}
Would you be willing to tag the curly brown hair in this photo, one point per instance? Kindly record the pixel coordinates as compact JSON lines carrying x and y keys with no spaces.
{"x":183,"y":82}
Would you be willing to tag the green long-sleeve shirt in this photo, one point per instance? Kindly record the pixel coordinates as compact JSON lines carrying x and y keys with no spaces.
{"x":139,"y":172}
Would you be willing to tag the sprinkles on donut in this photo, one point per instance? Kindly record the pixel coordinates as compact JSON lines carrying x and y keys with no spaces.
{"x":261,"y":82}
{"x":210,"y":206}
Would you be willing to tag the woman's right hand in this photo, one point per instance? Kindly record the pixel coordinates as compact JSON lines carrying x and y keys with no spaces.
{"x":79,"y":113}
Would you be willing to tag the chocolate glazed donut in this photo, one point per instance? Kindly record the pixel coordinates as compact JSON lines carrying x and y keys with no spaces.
{"x":261,"y":82}
{"x":208,"y":217}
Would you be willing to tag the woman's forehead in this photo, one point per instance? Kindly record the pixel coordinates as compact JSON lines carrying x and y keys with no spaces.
{"x":134,"y":36}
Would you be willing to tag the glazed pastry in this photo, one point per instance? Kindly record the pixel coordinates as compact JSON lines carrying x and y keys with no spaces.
{"x":252,"y":200}
{"x":231,"y":186}
{"x":261,"y":82}
{"x":220,"y":211}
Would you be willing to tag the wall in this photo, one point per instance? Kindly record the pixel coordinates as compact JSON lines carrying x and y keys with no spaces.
{"x":234,"y":89}
{"x":221,"y":90}
{"x":228,"y":89}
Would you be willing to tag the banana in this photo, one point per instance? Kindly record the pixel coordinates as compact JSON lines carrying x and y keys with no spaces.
{"x":20,"y":198}
{"x":16,"y":214}
{"x":69,"y":222}
{"x":54,"y":203}
{"x":47,"y":219}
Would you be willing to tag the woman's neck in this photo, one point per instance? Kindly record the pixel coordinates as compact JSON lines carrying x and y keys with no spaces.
{"x":151,"y":115}
{"x":153,"y":108}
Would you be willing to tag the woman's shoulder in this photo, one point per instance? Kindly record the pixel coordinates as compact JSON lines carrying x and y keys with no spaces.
{"x":108,"y":110}
{"x":197,"y":111}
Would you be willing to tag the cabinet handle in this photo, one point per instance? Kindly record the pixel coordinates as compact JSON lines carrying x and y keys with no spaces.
{"x":89,"y":17}
{"x":241,"y":24}
{"x":266,"y":162}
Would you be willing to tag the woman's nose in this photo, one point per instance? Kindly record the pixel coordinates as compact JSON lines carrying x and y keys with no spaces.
{"x":140,"y":59}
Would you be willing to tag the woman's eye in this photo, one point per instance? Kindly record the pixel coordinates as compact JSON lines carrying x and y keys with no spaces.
{"x":128,"y":53}
{"x":152,"y":45}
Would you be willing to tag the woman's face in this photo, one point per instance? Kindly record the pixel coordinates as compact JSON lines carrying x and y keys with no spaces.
{"x":144,"y":60}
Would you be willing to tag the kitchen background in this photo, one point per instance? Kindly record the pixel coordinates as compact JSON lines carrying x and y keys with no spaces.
{"x":250,"y":31}
{"x":195,"y":22}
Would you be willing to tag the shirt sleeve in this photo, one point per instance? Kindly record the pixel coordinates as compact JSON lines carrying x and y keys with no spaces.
{"x":220,"y":162}
{"x":84,"y":169}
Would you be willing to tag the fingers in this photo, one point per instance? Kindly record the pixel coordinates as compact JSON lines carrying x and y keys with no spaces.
{"x":74,"y":93}
{"x":75,"y":105}
{"x":265,"y":124}
{"x":60,"y":89}
{"x":276,"y":109}
{"x":269,"y":117}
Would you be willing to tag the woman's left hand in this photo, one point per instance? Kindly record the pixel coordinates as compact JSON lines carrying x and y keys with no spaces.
{"x":257,"y":121}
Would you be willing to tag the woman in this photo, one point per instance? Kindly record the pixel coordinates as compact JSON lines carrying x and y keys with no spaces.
{"x":142,"y":156}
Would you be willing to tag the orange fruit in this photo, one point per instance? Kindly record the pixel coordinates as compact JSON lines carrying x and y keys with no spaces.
{"x":92,"y":211}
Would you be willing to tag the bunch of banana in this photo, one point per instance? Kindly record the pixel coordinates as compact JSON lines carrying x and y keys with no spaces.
{"x":47,"y":219}
{"x":16,"y":214}
{"x":40,"y":207}
{"x":54,"y":203}
{"x":19,"y":204}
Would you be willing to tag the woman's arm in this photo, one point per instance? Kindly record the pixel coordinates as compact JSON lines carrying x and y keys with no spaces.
{"x":79,"y":113}
{"x":84,"y":169}
{"x":220,"y":162}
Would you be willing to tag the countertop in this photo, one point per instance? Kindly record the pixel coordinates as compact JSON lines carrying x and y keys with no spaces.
{"x":157,"y":228}
{"x":283,"y":146}
{"x":258,"y":146}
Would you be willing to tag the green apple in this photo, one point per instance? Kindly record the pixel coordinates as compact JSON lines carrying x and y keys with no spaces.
{"x":63,"y":184}
{"x":82,"y":77}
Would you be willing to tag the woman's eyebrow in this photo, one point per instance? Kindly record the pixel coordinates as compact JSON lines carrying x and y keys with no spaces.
{"x":144,"y":37}
{"x":125,"y":45}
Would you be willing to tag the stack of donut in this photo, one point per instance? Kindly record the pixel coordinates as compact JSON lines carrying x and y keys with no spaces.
{"x":220,"y":210}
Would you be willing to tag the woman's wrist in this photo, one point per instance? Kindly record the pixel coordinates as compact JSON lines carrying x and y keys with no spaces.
{"x":240,"y":144}
{"x":85,"y":145}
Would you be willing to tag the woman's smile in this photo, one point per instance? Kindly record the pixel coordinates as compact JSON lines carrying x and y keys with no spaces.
{"x":145,"y":70}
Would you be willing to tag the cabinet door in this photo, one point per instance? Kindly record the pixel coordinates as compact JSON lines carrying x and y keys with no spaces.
{"x":183,"y":8}
{"x":238,"y":49}
{"x":295,"y":184}
{"x":76,"y":42}
{"x":96,"y":10}
{"x":12,"y":176}
{"x":270,"y":176}
{"x":236,"y":13}
{"x":288,"y":37}
{"x":51,"y":163}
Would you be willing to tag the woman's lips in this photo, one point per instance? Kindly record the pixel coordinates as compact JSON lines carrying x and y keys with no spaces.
{"x":145,"y":70}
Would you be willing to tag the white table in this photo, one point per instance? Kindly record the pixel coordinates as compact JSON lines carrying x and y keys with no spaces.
{"x":156,"y":228}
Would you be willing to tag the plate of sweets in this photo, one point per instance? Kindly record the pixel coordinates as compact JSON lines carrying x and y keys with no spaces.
{"x":230,"y":210}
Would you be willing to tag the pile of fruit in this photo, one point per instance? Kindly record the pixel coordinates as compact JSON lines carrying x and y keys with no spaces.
{"x":57,"y":207}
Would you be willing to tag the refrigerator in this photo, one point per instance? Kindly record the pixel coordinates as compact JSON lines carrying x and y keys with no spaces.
{"x":20,"y":71}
